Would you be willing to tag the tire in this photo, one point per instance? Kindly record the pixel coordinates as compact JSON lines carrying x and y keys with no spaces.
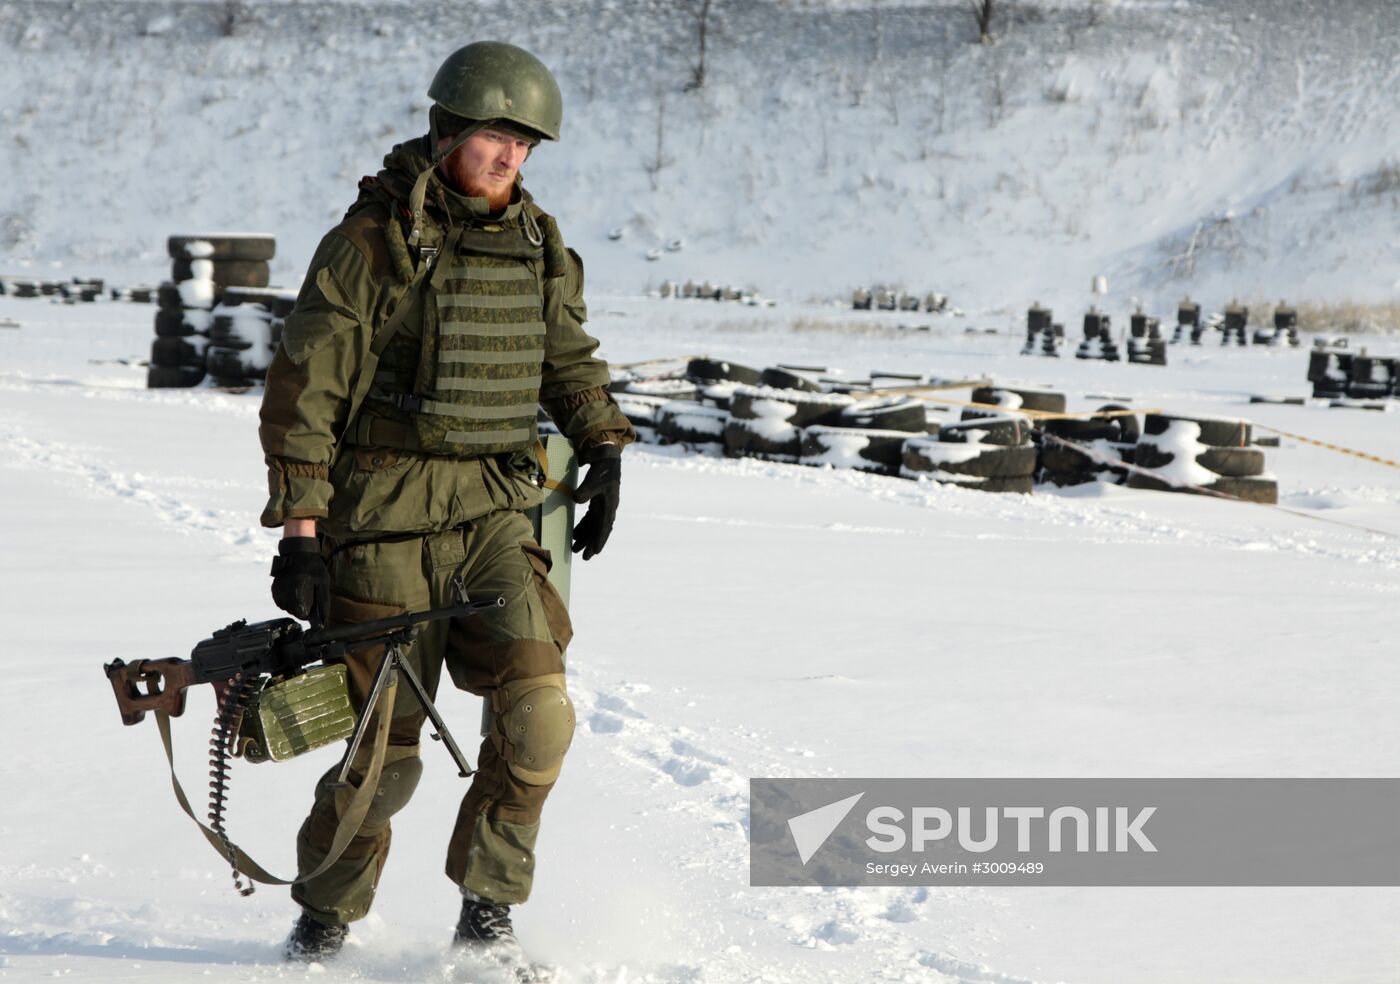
{"x":168,"y":297}
{"x":895,"y":413}
{"x":1250,"y":489}
{"x":1065,"y":479}
{"x":1023,"y":485}
{"x":1127,"y":423}
{"x":1057,"y":457}
{"x":682,"y":422}
{"x":718,"y":394}
{"x":669,"y":389}
{"x":949,"y":460}
{"x":797,"y":407}
{"x":1220,"y":432}
{"x":716,"y":371}
{"x":1080,"y":431}
{"x":1233,"y":462}
{"x":178,"y":352}
{"x":776,"y":442}
{"x":228,"y":247}
{"x":640,"y":411}
{"x":1024,"y":399}
{"x":868,"y":450}
{"x":992,"y":430}
{"x":224,"y":332}
{"x":228,"y":368}
{"x":170,"y":377}
{"x":172,"y":324}
{"x":227,"y":273}
{"x":239,"y":296}
{"x":786,"y":379}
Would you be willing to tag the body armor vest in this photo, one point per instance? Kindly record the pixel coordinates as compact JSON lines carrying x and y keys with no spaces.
{"x":475,"y":369}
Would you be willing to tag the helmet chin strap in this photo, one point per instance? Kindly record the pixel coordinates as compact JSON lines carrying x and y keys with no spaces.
{"x":420,"y":186}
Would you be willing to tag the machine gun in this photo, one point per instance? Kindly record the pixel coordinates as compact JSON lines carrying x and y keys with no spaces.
{"x":279,"y":647}
{"x":282,"y":690}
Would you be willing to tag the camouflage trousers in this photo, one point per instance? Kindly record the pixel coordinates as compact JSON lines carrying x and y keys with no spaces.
{"x":512,"y":656}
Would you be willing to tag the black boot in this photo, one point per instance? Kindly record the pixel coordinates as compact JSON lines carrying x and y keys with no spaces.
{"x":312,"y":941}
{"x":485,"y":924}
{"x":484,"y":929}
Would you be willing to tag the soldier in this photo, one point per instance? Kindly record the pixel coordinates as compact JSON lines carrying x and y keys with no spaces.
{"x":398,"y":424}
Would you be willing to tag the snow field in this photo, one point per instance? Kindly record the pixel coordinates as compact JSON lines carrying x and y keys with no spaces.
{"x":748,"y":618}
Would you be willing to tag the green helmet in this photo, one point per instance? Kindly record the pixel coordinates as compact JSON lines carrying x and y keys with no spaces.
{"x":491,"y":80}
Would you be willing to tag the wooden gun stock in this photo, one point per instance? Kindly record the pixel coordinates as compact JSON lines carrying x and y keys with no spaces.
{"x":165,"y":682}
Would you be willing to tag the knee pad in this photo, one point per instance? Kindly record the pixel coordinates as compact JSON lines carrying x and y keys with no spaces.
{"x":534,"y":724}
{"x":403,"y":768}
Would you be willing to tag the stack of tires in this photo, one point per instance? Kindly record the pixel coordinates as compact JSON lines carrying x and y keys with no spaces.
{"x":867,"y":435}
{"x":182,"y":334}
{"x":1073,"y":452}
{"x":766,"y":422}
{"x":203,"y":267}
{"x":991,"y":454}
{"x":1187,"y":454}
{"x":244,"y":331}
{"x":1329,"y":371}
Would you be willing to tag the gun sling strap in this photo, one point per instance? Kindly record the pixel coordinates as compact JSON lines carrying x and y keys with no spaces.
{"x":347,"y":826}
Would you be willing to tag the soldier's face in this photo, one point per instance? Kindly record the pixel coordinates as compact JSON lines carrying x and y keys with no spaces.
{"x":485,"y":166}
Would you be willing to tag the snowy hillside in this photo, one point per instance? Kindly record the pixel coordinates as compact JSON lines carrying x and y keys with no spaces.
{"x":1210,"y":146}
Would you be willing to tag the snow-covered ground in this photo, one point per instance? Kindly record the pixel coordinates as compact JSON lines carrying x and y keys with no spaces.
{"x":746,"y":619}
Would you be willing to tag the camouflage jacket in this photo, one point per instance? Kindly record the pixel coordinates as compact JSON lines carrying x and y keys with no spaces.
{"x":358,"y":275}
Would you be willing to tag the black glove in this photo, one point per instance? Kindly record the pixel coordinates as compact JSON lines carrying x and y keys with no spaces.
{"x":601,"y":486}
{"x":301,"y":584}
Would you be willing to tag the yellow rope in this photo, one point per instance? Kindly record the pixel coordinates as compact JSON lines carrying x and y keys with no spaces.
{"x":1330,"y":447}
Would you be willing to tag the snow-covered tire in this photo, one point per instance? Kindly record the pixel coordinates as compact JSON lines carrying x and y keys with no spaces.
{"x":1220,"y":432}
{"x":682,"y":422}
{"x":718,"y":370}
{"x":170,"y":377}
{"x":229,"y":247}
{"x":639,"y":410}
{"x":1129,"y":430}
{"x":940,"y":460}
{"x":228,"y":367}
{"x":168,"y":297}
{"x":176,"y":352}
{"x":1249,"y":488}
{"x":1022,"y":485}
{"x":1007,"y":398}
{"x":670,"y":389}
{"x":1008,"y":430}
{"x":718,"y":394}
{"x":1226,"y":462}
{"x":889,"y":413}
{"x":869,"y":450}
{"x":768,"y":422}
{"x":777,"y":378}
{"x":1065,"y":479}
{"x":227,"y":273}
{"x":762,"y":439}
{"x":172,"y":324}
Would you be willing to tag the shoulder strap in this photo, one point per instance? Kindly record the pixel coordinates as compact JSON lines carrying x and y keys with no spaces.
{"x":346,"y":827}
